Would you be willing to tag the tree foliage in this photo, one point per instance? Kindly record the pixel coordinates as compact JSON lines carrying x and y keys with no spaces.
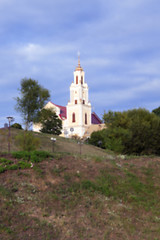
{"x":32,"y":99}
{"x":98,"y":138}
{"x":50,"y":122}
{"x":134,"y":131}
{"x":157,"y":111}
{"x":16,"y":125}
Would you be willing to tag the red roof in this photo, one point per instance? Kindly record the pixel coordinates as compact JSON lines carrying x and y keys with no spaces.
{"x":95,"y":119}
{"x":63,"y":112}
{"x":63,"y":115}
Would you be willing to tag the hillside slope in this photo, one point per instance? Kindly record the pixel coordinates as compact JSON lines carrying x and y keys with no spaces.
{"x":69,"y":197}
{"x":62,"y":144}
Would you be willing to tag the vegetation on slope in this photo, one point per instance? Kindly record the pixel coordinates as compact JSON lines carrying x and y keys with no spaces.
{"x":67,"y":195}
{"x":61,"y":145}
{"x":72,"y":197}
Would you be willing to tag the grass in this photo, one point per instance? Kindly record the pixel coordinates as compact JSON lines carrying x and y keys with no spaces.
{"x":66,"y":195}
{"x":66,"y":146}
{"x":23,"y":160}
{"x":114,"y":203}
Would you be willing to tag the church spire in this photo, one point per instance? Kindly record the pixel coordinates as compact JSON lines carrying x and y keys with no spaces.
{"x":79,"y":68}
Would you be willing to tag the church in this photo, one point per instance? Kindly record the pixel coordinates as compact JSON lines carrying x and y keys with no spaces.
{"x":77,"y":117}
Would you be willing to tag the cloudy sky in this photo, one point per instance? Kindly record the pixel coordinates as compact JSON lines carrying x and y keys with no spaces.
{"x":119,"y":44}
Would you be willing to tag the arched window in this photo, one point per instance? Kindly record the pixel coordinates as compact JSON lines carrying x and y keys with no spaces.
{"x":85,"y":118}
{"x":76,"y":79}
{"x":73,"y":117}
{"x":82,"y":80}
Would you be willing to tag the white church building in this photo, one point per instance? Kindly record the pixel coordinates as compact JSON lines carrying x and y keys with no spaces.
{"x":77,"y":117}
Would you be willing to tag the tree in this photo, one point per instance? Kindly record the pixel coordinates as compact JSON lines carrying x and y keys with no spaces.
{"x":135,"y":131}
{"x":33,"y":98}
{"x":50,"y":122}
{"x":156,"y":111}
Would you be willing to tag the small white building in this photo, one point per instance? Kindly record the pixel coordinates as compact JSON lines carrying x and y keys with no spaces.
{"x":77,"y":118}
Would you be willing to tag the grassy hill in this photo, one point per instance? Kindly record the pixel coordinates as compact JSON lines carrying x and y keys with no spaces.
{"x":62,"y":145}
{"x":93,"y":196}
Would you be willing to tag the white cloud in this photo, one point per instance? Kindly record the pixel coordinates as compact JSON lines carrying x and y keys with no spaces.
{"x":33,"y":51}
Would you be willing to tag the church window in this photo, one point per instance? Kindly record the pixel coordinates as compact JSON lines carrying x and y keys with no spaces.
{"x":85,"y":118}
{"x":82,"y":80}
{"x":75,"y":101}
{"x":83,"y":101}
{"x":73,"y":117}
{"x":76,"y":79}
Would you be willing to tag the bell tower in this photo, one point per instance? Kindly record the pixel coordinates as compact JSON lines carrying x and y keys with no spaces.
{"x":79,"y":107}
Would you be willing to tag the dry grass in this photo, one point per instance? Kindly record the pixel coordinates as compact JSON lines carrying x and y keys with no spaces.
{"x":61,"y":145}
{"x":67,"y":197}
{"x":93,"y":196}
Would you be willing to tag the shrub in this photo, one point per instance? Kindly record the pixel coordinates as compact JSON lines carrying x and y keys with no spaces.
{"x":22,"y":155}
{"x":2,"y":169}
{"x":5,"y":161}
{"x":24,"y":165}
{"x":34,"y":156}
{"x":12,"y":167}
{"x":98,"y":138}
{"x":27,"y":141}
{"x":42,"y":154}
{"x":16,"y":125}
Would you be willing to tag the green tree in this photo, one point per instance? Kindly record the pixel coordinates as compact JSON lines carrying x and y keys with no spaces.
{"x":50,"y":122}
{"x":135,"y":131}
{"x":32,"y":99}
{"x":156,"y":111}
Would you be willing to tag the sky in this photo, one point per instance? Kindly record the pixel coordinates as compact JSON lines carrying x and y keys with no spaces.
{"x":118,"y":41}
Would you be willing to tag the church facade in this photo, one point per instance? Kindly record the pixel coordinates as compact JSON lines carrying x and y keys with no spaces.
{"x":77,"y":117}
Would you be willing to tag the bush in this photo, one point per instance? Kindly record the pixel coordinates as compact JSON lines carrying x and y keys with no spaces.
{"x":98,"y":138}
{"x":34,"y":156}
{"x":22,"y":155}
{"x":24,"y":165}
{"x":5,"y":161}
{"x":42,"y":154}
{"x":2,"y":169}
{"x":12,"y":167}
{"x":25,"y":157}
{"x":16,"y":125}
{"x":27,"y":141}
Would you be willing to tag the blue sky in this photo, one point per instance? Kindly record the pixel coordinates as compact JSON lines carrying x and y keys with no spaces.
{"x":119,"y":42}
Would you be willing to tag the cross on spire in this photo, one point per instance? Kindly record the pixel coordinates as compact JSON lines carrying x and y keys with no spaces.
{"x":79,"y":65}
